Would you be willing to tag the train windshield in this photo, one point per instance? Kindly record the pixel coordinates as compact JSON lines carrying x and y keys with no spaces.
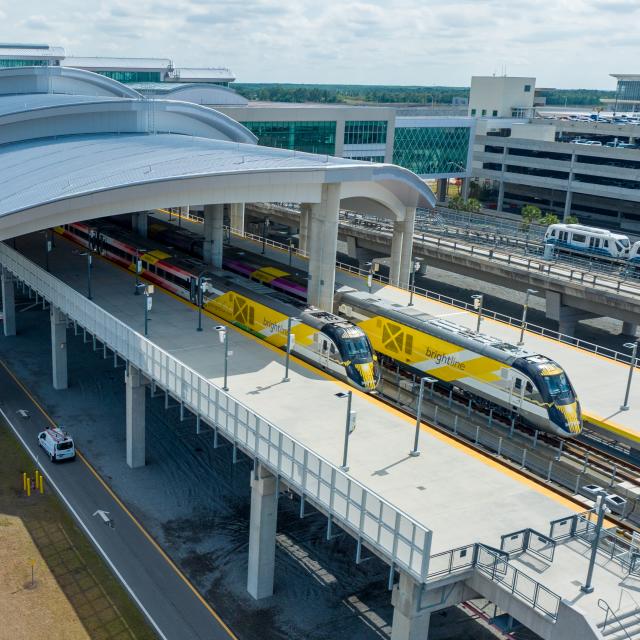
{"x":356,"y":349}
{"x":559,"y":387}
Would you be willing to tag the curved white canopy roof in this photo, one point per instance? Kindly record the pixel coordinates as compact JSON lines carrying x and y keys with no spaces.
{"x":67,"y":158}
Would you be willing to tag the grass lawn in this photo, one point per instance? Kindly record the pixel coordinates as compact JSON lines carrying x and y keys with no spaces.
{"x":75,"y":596}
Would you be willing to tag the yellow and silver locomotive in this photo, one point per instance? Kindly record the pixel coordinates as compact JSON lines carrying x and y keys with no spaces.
{"x":515,"y":380}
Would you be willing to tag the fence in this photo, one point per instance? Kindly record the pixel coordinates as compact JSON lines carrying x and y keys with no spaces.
{"x":402,"y":541}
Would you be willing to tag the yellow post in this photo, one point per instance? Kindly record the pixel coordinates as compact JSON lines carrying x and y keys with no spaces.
{"x":41,"y":483}
{"x":24,"y":480}
{"x":36,"y":475}
{"x":28,"y":487}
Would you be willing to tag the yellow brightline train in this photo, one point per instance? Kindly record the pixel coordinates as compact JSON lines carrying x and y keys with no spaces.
{"x":515,"y":380}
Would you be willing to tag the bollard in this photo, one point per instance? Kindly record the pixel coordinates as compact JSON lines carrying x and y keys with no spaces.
{"x":435,"y":417}
{"x":36,"y":474}
{"x":28,"y":487}
{"x":490,"y":416}
{"x":477,"y":433}
{"x":455,"y":425}
{"x":24,"y":481}
{"x":499,"y":446}
{"x":535,"y":438}
{"x":41,"y":484}
{"x":524,"y":458}
{"x":549,"y":470}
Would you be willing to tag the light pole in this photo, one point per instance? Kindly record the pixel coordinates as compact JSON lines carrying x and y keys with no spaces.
{"x":223,"y":335}
{"x":350,"y":425}
{"x":373,"y":268}
{"x":478,"y":301}
{"x":265,"y":224}
{"x":632,"y":364}
{"x":524,"y":315}
{"x":290,"y":342}
{"x":415,"y":451}
{"x":138,"y":269}
{"x":48,"y":245}
{"x":201,"y":281}
{"x":148,"y":303}
{"x":89,"y":266}
{"x":416,"y":266}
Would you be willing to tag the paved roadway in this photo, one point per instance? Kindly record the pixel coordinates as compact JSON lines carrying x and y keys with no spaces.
{"x":461,"y":495}
{"x":173,"y":607}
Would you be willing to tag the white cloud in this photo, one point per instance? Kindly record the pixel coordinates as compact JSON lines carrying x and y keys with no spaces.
{"x":564,"y":43}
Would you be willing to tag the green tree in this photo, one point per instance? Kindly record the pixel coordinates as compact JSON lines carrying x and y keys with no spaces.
{"x":573,"y":220}
{"x":530,"y":215}
{"x":549,"y":218}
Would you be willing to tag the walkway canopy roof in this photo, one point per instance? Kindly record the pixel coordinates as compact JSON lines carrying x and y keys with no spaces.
{"x":72,"y":157}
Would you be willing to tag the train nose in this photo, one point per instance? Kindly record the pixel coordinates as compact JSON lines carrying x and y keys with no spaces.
{"x":367,"y":374}
{"x":571,"y":417}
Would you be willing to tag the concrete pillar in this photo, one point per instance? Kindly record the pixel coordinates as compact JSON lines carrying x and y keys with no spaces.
{"x":352,"y":247}
{"x":466,"y":183}
{"x":60,"y":376}
{"x":406,"y":257}
{"x":135,"y":408}
{"x":397,"y":241}
{"x":567,"y":317}
{"x":567,"y":204}
{"x":236,"y":217}
{"x":139,"y":223}
{"x":500,"y":196}
{"x":303,"y":230}
{"x":441,"y":190}
{"x":409,"y":622}
{"x":262,"y":533}
{"x":8,"y":303}
{"x":213,"y":237}
{"x":629,"y":329}
{"x":322,"y":250}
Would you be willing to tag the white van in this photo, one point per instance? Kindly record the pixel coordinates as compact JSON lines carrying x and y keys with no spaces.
{"x":58,"y":444}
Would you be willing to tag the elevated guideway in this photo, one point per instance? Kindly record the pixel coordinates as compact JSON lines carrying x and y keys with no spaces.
{"x":411,"y":511}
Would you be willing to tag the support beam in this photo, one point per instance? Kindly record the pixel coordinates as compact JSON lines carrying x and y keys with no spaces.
{"x":406,"y":257}
{"x":629,"y":329}
{"x":139,"y":223}
{"x":500,"y":196}
{"x":303,"y":230}
{"x":441,"y":189}
{"x":60,"y":376}
{"x":262,"y":533}
{"x":213,"y":238}
{"x":567,"y":317}
{"x":135,"y":403}
{"x":567,"y":204}
{"x":397,"y":241}
{"x":236,"y":217}
{"x":466,"y":183}
{"x":323,"y":247}
{"x":8,"y":303}
{"x":409,"y":622}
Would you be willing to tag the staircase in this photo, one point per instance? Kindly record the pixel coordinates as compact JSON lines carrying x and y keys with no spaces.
{"x":623,"y":624}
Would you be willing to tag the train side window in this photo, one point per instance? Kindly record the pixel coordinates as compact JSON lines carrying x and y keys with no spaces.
{"x":578,"y":237}
{"x":528,"y":388}
{"x":518,"y":384}
{"x":324,"y":346}
{"x":408,"y":343}
{"x":332,"y":350}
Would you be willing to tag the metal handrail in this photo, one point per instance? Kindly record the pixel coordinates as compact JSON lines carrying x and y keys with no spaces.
{"x":397,"y":536}
{"x":609,"y":611}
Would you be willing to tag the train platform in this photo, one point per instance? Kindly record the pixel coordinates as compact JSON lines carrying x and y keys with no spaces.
{"x":600,"y":382}
{"x":463,"y":496}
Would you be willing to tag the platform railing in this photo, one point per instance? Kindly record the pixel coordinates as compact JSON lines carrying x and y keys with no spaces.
{"x":399,"y":539}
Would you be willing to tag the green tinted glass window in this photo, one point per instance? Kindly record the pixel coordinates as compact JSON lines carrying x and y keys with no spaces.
{"x":365,"y":132}
{"x":132,"y":76}
{"x":23,"y":63}
{"x":312,"y":137}
{"x":431,"y":150}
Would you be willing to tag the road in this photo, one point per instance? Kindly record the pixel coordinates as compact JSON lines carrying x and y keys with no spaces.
{"x":170,"y":603}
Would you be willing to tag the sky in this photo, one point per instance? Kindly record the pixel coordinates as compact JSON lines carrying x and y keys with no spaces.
{"x":563,"y":43}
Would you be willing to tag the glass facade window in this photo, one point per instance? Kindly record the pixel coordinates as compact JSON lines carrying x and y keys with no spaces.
{"x":132,"y":76}
{"x":473,"y":112}
{"x":527,"y":88}
{"x":368,"y":158}
{"x":312,"y":137}
{"x":23,"y":63}
{"x":432,"y":150}
{"x":627,"y":90}
{"x":365,"y":132}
